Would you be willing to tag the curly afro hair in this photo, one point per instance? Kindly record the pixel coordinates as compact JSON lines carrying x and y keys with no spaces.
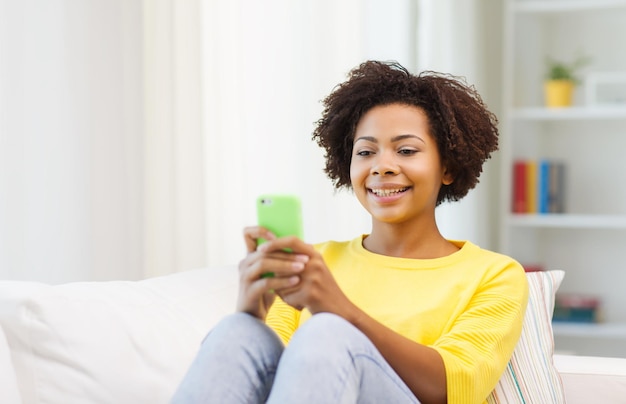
{"x":465,"y":131}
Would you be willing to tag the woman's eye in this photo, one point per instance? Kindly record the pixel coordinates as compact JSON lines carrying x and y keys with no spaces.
{"x":407,"y":152}
{"x":363,"y":153}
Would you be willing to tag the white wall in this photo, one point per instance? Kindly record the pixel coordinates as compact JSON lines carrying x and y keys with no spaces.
{"x":70,"y":139}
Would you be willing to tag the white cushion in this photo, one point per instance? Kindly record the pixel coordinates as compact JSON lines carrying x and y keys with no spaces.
{"x":111,"y":342}
{"x":531,"y":376}
{"x":8,"y":383}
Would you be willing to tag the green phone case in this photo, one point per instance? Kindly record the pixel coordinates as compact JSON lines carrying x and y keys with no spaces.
{"x":280,"y":214}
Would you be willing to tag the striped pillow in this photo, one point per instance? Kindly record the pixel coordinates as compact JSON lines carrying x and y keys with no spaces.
{"x":530,"y":376}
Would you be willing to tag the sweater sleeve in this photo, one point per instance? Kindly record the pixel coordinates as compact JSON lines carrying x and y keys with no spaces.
{"x":283,"y":319}
{"x":481,"y":341}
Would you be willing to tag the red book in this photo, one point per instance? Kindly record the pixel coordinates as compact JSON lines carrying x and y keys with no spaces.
{"x":519,"y":187}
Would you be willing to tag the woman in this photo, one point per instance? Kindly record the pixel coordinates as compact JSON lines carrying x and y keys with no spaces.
{"x":401,"y":314}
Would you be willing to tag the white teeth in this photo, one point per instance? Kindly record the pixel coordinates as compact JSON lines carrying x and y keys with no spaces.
{"x":387,"y":192}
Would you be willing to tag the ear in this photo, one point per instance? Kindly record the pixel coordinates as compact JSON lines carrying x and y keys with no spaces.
{"x":447,"y":178}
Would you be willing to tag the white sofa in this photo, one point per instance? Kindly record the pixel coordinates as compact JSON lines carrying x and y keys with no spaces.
{"x":128,"y":342}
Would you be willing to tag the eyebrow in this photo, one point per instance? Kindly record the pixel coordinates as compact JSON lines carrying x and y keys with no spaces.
{"x":393,"y":139}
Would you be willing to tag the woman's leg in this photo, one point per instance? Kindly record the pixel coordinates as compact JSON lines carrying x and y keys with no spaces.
{"x":330,"y":361}
{"x":236,"y":364}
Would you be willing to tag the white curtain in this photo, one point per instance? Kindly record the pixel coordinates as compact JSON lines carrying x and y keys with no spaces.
{"x":101,"y":159}
{"x":175,"y":204}
{"x":70,"y":140}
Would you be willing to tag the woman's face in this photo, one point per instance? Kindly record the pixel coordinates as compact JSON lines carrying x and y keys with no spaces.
{"x":396,"y":170}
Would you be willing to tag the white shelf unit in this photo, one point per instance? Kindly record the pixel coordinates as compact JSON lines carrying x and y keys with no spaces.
{"x":599,"y":331}
{"x":570,"y":114}
{"x":588,"y":239}
{"x":567,"y":221}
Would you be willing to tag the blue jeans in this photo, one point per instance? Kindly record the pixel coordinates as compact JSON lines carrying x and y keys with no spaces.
{"x":327,"y":361}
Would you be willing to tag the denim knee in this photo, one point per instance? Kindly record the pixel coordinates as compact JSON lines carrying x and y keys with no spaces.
{"x":247,"y":331}
{"x":327,"y":335}
{"x":320,"y":364}
{"x":236,"y":363}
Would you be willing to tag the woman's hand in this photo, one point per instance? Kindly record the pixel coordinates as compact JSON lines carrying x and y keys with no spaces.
{"x":317,"y":289}
{"x":264,"y":272}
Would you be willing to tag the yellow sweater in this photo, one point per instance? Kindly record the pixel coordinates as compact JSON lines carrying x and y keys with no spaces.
{"x":469,"y":306}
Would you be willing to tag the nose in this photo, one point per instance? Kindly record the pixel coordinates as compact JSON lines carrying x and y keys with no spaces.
{"x":384,"y":164}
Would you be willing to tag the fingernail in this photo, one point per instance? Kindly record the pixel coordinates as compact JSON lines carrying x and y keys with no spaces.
{"x":302,"y":258}
{"x":294,"y":279}
{"x":298,"y":266}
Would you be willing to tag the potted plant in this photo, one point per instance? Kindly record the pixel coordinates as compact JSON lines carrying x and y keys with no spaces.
{"x":561,"y":80}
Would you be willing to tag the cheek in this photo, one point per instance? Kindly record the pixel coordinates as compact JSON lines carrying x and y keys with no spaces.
{"x":352,"y":172}
{"x":426,"y":173}
{"x":357,"y":173}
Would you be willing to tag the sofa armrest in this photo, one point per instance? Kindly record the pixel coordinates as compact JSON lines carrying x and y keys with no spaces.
{"x":588,"y":379}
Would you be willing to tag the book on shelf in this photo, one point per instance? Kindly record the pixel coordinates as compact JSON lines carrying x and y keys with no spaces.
{"x":571,"y":307}
{"x":576,"y":308}
{"x":538,"y":186}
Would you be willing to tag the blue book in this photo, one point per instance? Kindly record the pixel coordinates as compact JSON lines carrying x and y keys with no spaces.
{"x":543,"y":186}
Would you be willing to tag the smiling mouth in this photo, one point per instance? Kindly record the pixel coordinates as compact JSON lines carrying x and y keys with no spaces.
{"x":388,"y":192}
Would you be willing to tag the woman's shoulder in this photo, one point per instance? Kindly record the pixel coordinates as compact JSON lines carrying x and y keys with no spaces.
{"x":491,"y":261}
{"x":483,"y":253}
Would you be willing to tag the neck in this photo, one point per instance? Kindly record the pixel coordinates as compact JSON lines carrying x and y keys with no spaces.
{"x":397,"y":240}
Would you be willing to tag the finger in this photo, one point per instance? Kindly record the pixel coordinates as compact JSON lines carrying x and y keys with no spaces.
{"x":278,"y":284}
{"x":289,"y":290}
{"x":252,"y":234}
{"x":259,"y":261}
{"x":271,"y":285}
{"x":288,"y":243}
{"x":295,"y":296}
{"x":277,"y":264}
{"x":291,"y":296}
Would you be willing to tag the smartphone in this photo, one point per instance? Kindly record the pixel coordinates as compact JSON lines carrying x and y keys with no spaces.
{"x":281,"y":214}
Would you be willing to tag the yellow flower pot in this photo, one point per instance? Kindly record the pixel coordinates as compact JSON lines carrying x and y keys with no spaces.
{"x":559,"y":93}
